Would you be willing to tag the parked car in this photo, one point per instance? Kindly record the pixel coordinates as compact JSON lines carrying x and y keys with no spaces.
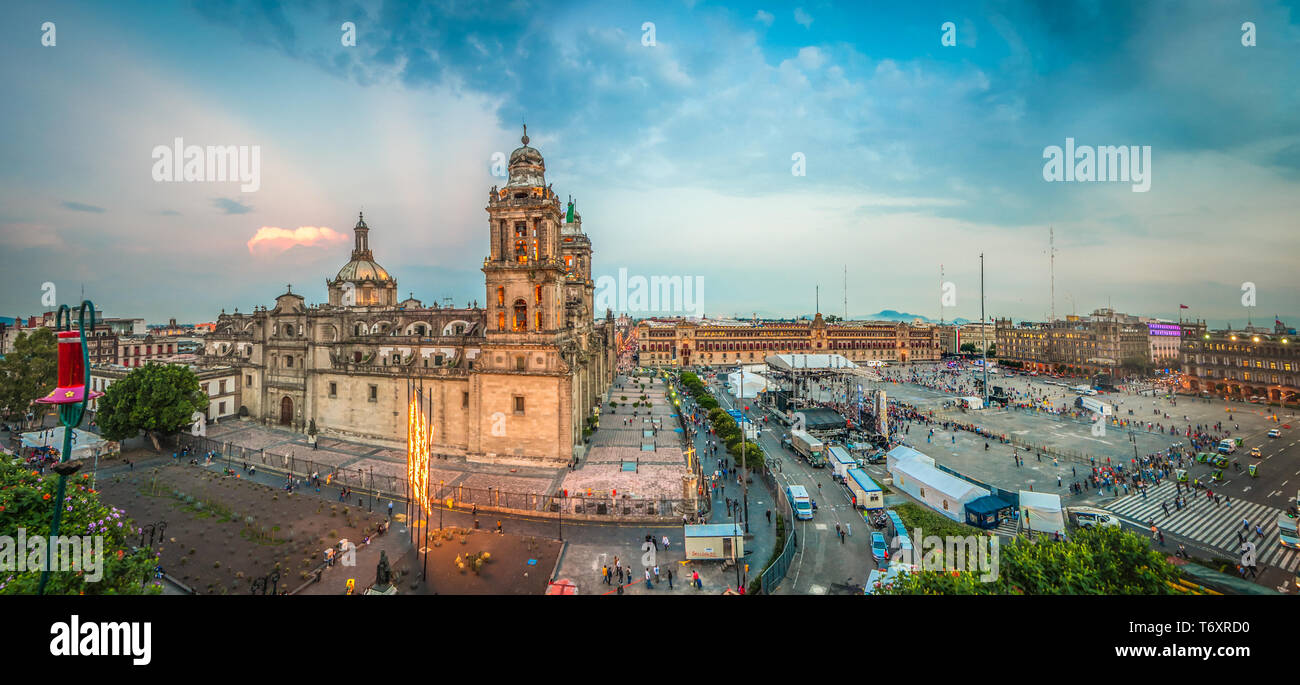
{"x":879,"y":550}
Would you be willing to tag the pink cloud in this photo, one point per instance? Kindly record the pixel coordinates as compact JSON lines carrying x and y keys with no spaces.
{"x":271,"y":240}
{"x":23,"y":235}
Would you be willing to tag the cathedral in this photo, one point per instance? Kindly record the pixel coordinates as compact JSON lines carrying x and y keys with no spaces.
{"x":513,"y":381}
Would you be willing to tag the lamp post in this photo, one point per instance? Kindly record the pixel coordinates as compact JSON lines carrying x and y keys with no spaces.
{"x":71,"y":395}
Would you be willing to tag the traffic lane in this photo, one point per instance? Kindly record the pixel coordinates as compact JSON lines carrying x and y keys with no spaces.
{"x":822,"y":560}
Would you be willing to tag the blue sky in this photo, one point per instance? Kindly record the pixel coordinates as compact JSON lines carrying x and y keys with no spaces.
{"x":679,"y":154}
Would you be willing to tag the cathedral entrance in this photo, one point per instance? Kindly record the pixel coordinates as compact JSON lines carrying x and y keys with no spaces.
{"x":286,"y":411}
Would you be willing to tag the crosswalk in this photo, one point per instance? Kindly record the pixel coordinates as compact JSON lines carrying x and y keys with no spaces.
{"x":1204,"y":522}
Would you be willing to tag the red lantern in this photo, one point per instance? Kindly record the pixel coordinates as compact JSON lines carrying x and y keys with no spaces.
{"x":72,"y":372}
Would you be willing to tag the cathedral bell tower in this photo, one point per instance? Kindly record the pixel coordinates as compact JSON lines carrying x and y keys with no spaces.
{"x":524,"y":271}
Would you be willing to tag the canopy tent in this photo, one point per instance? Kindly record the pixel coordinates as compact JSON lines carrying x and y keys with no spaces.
{"x":987,"y":512}
{"x":747,"y":386}
{"x":903,"y":452}
{"x":84,"y":443}
{"x":943,"y":492}
{"x":808,"y":362}
{"x":1041,"y":512}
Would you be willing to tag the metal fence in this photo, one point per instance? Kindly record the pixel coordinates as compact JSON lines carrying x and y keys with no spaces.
{"x":775,"y":573}
{"x":364,"y":482}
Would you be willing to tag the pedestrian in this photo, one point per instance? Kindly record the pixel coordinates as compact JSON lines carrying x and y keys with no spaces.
{"x":656,"y":573}
{"x":648,"y":585}
{"x":769,"y":517}
{"x":604,"y":574}
{"x":499,"y":531}
{"x":390,"y":510}
{"x":670,"y":579}
{"x":665,"y":543}
{"x":695,"y":580}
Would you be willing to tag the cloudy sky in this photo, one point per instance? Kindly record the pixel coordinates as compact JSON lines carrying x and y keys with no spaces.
{"x":680,"y":146}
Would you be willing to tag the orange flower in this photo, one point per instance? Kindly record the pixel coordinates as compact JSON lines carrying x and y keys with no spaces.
{"x":45,"y":496}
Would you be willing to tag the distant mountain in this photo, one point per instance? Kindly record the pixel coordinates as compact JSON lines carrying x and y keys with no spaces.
{"x":892,"y":315}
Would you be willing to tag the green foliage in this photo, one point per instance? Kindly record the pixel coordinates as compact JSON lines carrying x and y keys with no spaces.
{"x":967,"y":347}
{"x":930,"y":522}
{"x":28,"y":372}
{"x":27,"y":501}
{"x":754,"y":456}
{"x":155,"y":398}
{"x":1096,"y":561}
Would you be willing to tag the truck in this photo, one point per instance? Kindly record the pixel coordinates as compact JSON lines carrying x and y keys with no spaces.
{"x":841,"y":461}
{"x":800,"y":502}
{"x":808,"y":447}
{"x":866,"y":494}
{"x":1093,"y":405}
{"x":1227,"y":446}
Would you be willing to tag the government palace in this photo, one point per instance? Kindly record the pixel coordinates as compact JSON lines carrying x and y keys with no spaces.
{"x":685,"y":342}
{"x":514,"y":381}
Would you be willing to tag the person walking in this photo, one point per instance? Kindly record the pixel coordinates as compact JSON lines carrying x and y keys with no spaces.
{"x":648,"y":585}
{"x":656,"y":573}
{"x":695,"y":580}
{"x":670,"y":579}
{"x":604,"y":574}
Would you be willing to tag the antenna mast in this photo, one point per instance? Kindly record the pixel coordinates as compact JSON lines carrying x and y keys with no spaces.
{"x":1051,"y":267}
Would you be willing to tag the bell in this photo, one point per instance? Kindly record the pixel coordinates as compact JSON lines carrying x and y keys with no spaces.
{"x":72,"y":372}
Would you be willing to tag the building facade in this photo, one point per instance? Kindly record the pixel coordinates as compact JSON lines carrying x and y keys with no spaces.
{"x":1102,"y":342}
{"x":1243,"y":364}
{"x":221,"y":383}
{"x":685,"y":342}
{"x":512,"y":381}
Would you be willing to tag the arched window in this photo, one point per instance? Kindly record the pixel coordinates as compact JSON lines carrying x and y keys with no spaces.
{"x":521,"y":316}
{"x":288,"y":361}
{"x":501,"y":321}
{"x":501,"y":297}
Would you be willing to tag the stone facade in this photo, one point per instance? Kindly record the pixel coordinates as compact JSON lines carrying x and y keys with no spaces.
{"x":512,"y":381}
{"x":684,"y":342}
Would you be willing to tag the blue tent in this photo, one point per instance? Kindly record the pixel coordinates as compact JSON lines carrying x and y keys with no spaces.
{"x":987,"y":511}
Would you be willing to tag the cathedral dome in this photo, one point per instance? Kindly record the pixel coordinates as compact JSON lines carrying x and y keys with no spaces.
{"x":527,"y":168}
{"x":363,"y":270}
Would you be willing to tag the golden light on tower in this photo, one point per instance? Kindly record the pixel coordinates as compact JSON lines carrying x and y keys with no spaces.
{"x":417,"y":452}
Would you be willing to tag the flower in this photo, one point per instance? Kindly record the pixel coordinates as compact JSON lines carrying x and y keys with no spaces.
{"x":46,"y":496}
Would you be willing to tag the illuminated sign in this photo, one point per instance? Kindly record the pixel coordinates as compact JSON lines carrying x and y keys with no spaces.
{"x":1164,"y":329}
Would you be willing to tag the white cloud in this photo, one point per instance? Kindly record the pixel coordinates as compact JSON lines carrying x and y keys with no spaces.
{"x":802,"y":17}
{"x":764,"y":18}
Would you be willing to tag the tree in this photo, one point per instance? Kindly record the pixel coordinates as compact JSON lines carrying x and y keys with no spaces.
{"x":1096,"y":561}
{"x":155,"y":398}
{"x":754,"y":456}
{"x":967,"y":347}
{"x":29,"y":372}
{"x":26,"y":503}
{"x":993,"y":350}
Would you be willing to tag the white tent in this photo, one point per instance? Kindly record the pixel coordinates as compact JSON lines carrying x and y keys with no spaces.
{"x":972,"y":402}
{"x":802,"y":362}
{"x":902,"y":453}
{"x":84,"y":443}
{"x":746,"y":386}
{"x":942,"y":492}
{"x":1041,"y":512}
